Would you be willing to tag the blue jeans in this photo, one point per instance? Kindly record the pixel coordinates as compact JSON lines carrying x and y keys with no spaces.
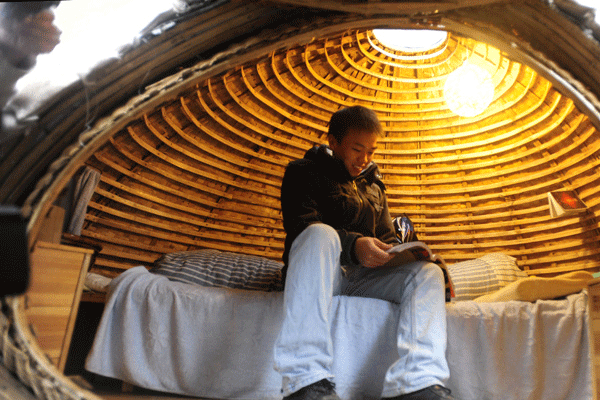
{"x":304,"y":349}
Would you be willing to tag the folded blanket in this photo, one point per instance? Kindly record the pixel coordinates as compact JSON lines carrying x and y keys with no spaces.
{"x":535,"y":288}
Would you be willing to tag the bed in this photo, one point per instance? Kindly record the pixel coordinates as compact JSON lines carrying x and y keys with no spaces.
{"x":176,"y":330}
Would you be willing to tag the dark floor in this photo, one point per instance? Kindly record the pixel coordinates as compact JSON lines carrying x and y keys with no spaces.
{"x":112,"y":389}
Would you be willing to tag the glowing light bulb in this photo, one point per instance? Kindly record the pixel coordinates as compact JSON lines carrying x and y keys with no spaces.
{"x":469,"y":90}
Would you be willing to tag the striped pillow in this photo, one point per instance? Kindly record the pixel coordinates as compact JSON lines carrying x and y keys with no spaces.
{"x":215,"y":268}
{"x":483,"y":275}
{"x":505,"y":268}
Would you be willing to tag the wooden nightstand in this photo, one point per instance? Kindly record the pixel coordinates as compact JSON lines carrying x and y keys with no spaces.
{"x":57,"y":276}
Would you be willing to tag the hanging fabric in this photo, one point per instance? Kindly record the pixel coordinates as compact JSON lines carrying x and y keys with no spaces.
{"x":84,"y":189}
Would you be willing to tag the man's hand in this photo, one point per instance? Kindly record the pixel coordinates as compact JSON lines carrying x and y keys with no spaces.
{"x":22,"y":40}
{"x":371,"y":252}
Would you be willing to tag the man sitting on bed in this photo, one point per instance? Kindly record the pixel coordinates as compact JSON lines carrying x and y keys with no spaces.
{"x":338,"y":228}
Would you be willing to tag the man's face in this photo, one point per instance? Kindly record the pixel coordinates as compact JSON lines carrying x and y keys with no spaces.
{"x":356,"y":150}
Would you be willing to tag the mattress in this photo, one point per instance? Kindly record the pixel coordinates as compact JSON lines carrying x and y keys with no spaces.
{"x":214,"y":342}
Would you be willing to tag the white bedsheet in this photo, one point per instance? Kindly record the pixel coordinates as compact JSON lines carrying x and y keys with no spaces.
{"x":211,"y":342}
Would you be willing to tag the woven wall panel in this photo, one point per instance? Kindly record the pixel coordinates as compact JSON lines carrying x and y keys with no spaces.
{"x":204,"y":170}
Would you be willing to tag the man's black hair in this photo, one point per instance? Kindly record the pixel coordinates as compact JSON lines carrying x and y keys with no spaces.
{"x":354,"y":119}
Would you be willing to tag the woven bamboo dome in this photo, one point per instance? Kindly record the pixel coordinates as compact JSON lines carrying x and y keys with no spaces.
{"x":204,"y":168}
{"x":193,"y":127}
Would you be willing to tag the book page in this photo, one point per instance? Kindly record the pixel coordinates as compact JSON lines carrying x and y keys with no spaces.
{"x":408,"y":252}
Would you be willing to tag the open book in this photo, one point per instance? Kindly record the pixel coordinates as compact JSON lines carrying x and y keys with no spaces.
{"x":418,"y":251}
{"x":565,"y":202}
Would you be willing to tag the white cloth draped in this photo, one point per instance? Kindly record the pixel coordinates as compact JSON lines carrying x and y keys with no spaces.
{"x":212,"y":342}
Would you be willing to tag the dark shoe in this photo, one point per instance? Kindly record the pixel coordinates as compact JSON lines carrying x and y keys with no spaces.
{"x":322,"y":390}
{"x":435,"y":392}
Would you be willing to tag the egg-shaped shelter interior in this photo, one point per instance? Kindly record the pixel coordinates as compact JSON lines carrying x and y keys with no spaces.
{"x":204,"y":169}
{"x":196,"y":123}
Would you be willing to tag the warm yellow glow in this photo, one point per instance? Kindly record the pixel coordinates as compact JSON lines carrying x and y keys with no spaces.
{"x":469,"y":90}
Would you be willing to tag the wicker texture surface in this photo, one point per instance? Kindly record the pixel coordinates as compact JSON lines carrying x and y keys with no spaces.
{"x":204,"y":169}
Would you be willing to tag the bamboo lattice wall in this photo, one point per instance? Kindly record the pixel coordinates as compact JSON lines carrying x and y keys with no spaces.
{"x":204,"y":169}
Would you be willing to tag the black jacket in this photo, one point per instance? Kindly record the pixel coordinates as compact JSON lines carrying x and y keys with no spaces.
{"x":318,"y":188}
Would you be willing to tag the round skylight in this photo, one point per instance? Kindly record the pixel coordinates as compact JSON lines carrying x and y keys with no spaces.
{"x":410,"y":40}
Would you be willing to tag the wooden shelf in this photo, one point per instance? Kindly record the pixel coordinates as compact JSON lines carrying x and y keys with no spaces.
{"x":57,"y":276}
